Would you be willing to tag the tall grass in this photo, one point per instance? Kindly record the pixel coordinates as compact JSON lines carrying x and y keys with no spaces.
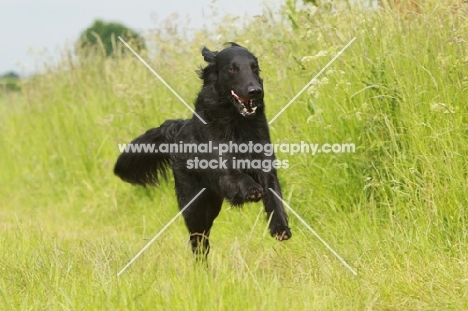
{"x":394,"y":209}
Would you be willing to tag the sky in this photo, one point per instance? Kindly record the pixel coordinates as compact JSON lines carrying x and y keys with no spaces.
{"x":34,"y":30}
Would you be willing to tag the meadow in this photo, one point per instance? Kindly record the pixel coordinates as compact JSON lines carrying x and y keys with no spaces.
{"x":395,"y":209}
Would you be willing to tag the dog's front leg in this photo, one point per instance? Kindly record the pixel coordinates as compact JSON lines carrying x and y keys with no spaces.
{"x":240,"y":188}
{"x":274,"y":208}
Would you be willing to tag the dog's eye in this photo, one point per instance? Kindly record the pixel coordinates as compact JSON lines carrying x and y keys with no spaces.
{"x":255,"y":68}
{"x":232,"y":69}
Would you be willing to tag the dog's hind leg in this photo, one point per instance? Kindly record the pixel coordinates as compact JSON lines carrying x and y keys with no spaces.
{"x":201,"y":213}
{"x":200,"y":228}
{"x":199,"y":218}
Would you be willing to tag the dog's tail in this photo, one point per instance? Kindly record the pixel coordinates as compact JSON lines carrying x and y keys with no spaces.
{"x":141,"y":163}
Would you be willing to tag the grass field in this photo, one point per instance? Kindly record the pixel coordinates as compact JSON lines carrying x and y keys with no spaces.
{"x":395,"y":209}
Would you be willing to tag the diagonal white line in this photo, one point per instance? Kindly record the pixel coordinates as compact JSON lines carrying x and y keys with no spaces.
{"x":160,"y":232}
{"x":161,"y":79}
{"x":314,"y":233}
{"x":313,"y":79}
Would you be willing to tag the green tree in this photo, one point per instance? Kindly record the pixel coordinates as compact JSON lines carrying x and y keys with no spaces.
{"x":103,"y":34}
{"x":10,"y":81}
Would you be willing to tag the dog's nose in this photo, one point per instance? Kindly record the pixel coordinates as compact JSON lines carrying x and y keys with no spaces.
{"x":255,"y":91}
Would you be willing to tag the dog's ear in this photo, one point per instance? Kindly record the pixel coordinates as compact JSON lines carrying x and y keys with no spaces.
{"x":209,"y":56}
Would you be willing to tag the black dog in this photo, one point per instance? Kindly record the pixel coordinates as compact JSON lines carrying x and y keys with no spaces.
{"x":231,"y":103}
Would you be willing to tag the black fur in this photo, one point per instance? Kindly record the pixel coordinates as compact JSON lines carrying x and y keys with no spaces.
{"x":232,"y":69}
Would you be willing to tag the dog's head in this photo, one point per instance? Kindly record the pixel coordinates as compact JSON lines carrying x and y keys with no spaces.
{"x":236,"y":74}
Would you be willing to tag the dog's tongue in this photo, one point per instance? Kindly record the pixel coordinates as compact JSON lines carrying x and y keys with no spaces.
{"x":244,"y":100}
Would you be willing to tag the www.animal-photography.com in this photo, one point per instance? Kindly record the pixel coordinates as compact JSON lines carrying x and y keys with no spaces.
{"x":247,"y":155}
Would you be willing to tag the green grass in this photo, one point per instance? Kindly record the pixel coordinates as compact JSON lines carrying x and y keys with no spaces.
{"x":395,"y":209}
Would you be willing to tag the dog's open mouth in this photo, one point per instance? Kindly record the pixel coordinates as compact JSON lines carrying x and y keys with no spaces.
{"x":246,"y":107}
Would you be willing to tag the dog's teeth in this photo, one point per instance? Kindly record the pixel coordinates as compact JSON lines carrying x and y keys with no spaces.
{"x":248,"y":108}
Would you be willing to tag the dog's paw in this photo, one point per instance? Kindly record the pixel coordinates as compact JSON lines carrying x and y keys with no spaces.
{"x":254,"y":192}
{"x":281,"y":233}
